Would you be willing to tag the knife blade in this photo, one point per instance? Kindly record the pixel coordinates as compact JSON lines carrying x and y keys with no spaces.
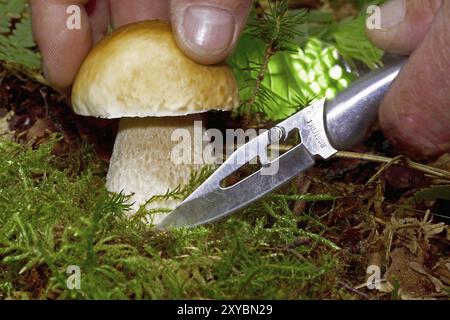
{"x":324,"y":128}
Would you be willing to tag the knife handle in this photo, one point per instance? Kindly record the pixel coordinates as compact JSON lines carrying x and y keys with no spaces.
{"x":352,"y":113}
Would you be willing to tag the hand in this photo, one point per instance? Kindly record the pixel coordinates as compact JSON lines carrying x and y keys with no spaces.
{"x":206,"y":30}
{"x":415,"y":114}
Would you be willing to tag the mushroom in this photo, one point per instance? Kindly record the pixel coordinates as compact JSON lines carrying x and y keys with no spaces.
{"x":139,"y":74}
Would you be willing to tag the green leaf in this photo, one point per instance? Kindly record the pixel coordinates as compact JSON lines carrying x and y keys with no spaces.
{"x":281,"y":80}
{"x":353,"y":44}
{"x":286,"y":85}
{"x":8,"y":10}
{"x":16,"y":42}
{"x":22,"y":35}
{"x":244,"y":63}
{"x":13,"y":53}
{"x":431,"y":194}
{"x":291,"y":77}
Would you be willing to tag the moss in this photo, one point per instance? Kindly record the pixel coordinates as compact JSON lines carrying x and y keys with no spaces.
{"x":55,"y":212}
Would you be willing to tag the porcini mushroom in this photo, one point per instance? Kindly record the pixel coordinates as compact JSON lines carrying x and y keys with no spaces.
{"x":140,"y":75}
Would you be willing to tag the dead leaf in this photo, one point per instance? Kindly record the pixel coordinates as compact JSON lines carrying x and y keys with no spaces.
{"x":40,"y":129}
{"x":5,"y":131}
{"x":433,"y":229}
{"x":412,"y":283}
{"x":400,"y":177}
{"x":420,"y":269}
{"x":443,"y":162}
{"x":431,"y":194}
{"x":442,"y":270}
{"x":386,"y":286}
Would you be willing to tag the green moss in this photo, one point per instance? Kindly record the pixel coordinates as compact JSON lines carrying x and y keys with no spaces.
{"x":55,"y":212}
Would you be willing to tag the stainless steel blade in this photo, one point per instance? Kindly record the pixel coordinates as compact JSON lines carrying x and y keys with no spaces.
{"x":218,"y":202}
{"x":345,"y":123}
{"x":211,"y":202}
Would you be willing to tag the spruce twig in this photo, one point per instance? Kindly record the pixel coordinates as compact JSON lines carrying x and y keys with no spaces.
{"x":277,"y":29}
{"x":256,"y":90}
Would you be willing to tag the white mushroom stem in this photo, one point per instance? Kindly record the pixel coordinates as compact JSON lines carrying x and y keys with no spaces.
{"x":141,"y":163}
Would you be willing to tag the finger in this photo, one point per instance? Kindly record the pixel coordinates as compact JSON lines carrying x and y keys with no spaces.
{"x":98,"y":11}
{"x":124,"y":12}
{"x":404,"y":24}
{"x":415,"y":114}
{"x":62,"y":49}
{"x":208,"y":30}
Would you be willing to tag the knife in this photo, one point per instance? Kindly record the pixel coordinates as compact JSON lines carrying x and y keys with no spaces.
{"x":324,"y":128}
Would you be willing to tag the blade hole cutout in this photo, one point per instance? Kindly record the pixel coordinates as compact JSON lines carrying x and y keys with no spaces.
{"x":272,"y":152}
{"x":278,"y":148}
{"x":243,"y":172}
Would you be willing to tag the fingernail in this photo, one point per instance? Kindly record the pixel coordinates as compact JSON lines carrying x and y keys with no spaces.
{"x":393,"y":12}
{"x":208,"y":29}
{"x":44,"y":69}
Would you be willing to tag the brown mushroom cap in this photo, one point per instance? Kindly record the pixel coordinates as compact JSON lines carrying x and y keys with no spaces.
{"x":139,"y":71}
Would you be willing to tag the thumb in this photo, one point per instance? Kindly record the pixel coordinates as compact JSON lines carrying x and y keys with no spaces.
{"x":404,"y":24}
{"x":415,"y":114}
{"x":208,"y":30}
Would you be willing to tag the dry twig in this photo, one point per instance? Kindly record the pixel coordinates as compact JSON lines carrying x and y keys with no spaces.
{"x":435,"y":172}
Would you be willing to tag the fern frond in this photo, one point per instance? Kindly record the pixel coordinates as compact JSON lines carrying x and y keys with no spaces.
{"x":16,"y":39}
{"x":10,"y":10}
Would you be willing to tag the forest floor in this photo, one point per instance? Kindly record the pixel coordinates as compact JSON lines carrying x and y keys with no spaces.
{"x":346,"y":229}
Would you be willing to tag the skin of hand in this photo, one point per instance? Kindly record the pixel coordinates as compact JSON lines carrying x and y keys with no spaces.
{"x":206,"y":30}
{"x":415,"y":114}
